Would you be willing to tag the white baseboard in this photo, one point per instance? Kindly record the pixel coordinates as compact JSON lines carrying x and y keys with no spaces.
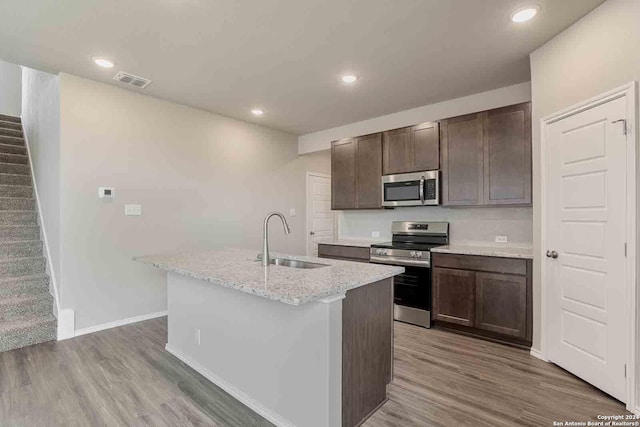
{"x":232,"y":390}
{"x":66,"y":324}
{"x":536,"y":353}
{"x":102,"y":327}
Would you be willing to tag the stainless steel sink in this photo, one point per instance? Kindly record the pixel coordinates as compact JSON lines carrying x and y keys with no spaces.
{"x":295,"y":263}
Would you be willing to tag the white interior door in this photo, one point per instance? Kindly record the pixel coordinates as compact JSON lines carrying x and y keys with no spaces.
{"x":585,"y":229}
{"x":320,"y":217}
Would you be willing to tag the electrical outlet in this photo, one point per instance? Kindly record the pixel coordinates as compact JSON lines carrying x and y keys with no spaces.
{"x":197,"y":336}
{"x":133,"y":210}
{"x":375,"y":234}
{"x":501,"y":239}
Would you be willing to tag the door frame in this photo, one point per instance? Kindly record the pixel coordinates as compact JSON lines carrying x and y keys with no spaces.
{"x":306,"y":211}
{"x":628,"y":92}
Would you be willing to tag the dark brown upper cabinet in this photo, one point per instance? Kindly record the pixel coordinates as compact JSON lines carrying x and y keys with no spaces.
{"x":486,"y":158}
{"x":356,"y":169}
{"x":343,"y":174}
{"x":411,"y":149}
{"x":507,"y":155}
{"x":462,"y":159}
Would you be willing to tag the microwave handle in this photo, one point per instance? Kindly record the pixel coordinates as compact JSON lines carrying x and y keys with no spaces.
{"x":422,"y":190}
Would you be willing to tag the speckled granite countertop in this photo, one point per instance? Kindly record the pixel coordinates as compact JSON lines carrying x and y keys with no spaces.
{"x":238,"y":269}
{"x":352,"y":242}
{"x":502,"y":252}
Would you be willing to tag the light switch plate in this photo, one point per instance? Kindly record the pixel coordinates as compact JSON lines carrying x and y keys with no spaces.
{"x":501,"y":239}
{"x":375,"y":234}
{"x":133,"y":210}
{"x":292,"y":212}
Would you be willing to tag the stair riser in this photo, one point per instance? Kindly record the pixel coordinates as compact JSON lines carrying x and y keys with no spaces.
{"x":17,"y":205}
{"x":21,"y":250}
{"x":23,"y":288}
{"x":21,"y":267}
{"x":10,"y":125}
{"x":18,"y":218}
{"x":6,"y":118}
{"x":16,"y":191}
{"x":42,"y":333}
{"x":11,"y":132}
{"x":40,"y":307}
{"x":14,"y":169}
{"x":13,"y":149}
{"x":7,"y":179}
{"x":11,"y":140}
{"x":19,"y":233}
{"x":18,"y":159}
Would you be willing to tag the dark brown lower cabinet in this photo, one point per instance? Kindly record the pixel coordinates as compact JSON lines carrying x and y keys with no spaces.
{"x":485,"y":296}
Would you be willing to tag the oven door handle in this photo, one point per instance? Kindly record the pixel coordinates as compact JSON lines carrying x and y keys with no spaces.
{"x":399,"y":261}
{"x":421,"y":191}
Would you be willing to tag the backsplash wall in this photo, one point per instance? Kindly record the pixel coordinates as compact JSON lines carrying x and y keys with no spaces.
{"x":475,"y":226}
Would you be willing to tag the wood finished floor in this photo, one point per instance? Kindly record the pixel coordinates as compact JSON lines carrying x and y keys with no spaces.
{"x":123,"y":377}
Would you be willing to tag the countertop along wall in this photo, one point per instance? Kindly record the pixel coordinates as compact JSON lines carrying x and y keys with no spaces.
{"x":204,"y":181}
{"x":595,"y":55}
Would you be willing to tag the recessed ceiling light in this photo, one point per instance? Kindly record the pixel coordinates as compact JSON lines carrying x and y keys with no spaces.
{"x":257,"y":111}
{"x":524,"y":14}
{"x":349,"y":78}
{"x":103,"y":62}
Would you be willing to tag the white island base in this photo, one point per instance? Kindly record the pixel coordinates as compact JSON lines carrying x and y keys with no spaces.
{"x":323,"y":363}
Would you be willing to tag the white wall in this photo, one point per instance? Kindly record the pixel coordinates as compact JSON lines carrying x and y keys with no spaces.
{"x":598,"y":53}
{"x":41,"y":121}
{"x":473,"y":226}
{"x":204,"y":181}
{"x":10,"y":89}
{"x":454,"y":107}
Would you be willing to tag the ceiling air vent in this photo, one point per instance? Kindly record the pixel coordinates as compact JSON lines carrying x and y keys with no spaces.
{"x":132,"y":80}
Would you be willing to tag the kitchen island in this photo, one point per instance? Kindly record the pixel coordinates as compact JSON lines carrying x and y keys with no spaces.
{"x":304,"y":347}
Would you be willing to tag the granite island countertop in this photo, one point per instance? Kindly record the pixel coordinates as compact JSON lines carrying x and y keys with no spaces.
{"x":501,"y":252}
{"x":238,"y":269}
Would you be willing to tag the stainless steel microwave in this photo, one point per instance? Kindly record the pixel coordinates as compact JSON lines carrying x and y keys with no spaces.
{"x":411,"y":189}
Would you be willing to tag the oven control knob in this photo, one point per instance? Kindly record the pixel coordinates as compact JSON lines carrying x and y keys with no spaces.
{"x":418,"y":254}
{"x":412,"y":254}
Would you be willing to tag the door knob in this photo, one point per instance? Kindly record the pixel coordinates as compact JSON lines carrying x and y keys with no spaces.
{"x":313,"y":233}
{"x":552,"y":254}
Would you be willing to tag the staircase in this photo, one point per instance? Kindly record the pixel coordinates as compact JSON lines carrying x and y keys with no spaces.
{"x":25,"y":302}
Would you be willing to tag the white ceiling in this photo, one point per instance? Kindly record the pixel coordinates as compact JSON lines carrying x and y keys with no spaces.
{"x":285,"y":56}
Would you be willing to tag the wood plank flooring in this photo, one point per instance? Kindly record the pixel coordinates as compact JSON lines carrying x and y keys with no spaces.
{"x":123,"y":377}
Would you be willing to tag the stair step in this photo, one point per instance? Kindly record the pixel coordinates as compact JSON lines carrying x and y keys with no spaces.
{"x":11,"y":140}
{"x":20,"y":159}
{"x":22,"y":249}
{"x":13,"y":119}
{"x":25,"y":306}
{"x":11,"y":132}
{"x":17,"y":204}
{"x":13,"y":168}
{"x":27,"y":332}
{"x":13,"y":149}
{"x":24,"y":285}
{"x":19,"y":233}
{"x":14,"y":179}
{"x":18,"y":218}
{"x":10,"y":125}
{"x":23,"y":191}
{"x":21,"y":267}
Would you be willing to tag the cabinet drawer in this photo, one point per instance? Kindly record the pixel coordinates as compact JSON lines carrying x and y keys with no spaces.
{"x":480,"y":263}
{"x":349,"y":253}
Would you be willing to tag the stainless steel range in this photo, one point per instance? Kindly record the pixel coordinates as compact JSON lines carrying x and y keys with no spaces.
{"x":411,"y":248}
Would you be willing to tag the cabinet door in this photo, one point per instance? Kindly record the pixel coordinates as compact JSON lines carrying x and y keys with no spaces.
{"x":369,"y":171}
{"x":501,"y":304}
{"x":453,"y":296}
{"x":425,"y":139}
{"x":343,"y":174}
{"x":397,"y":151}
{"x":462,"y":161}
{"x":507,"y":155}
